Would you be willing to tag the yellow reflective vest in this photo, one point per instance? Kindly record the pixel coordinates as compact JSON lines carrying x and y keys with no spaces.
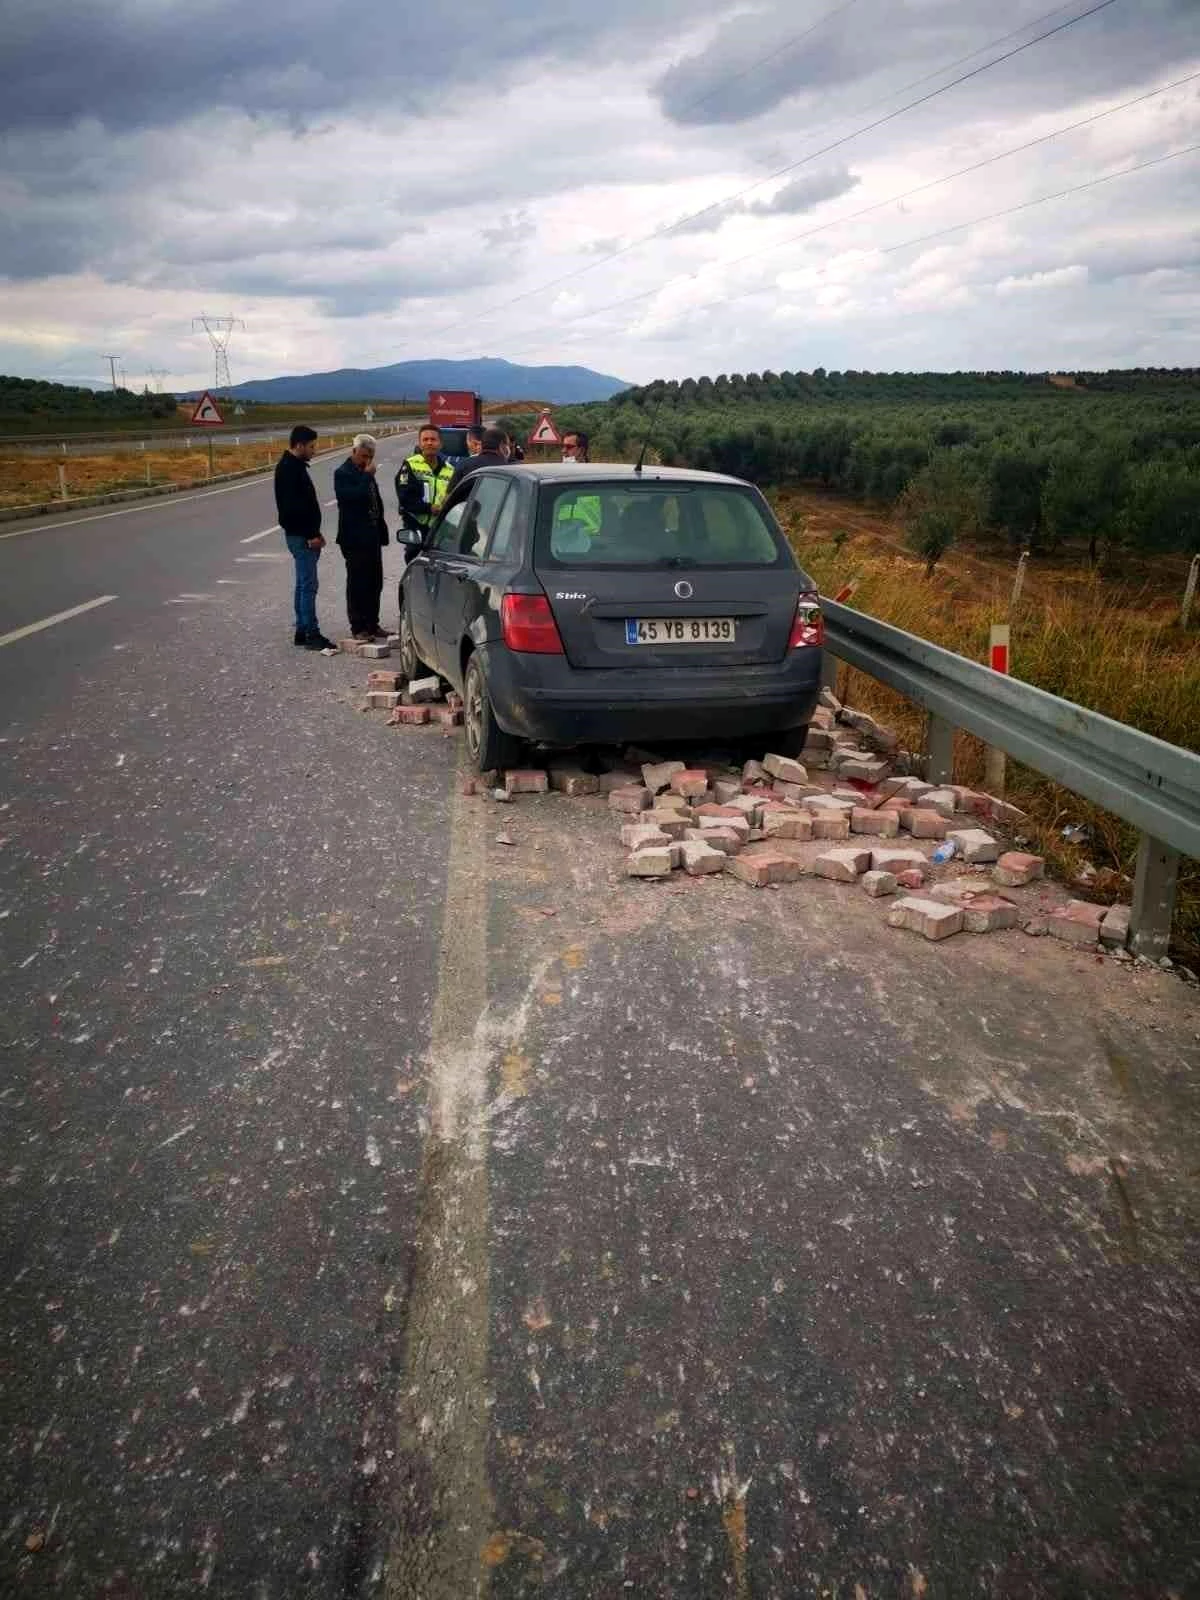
{"x":434,"y":484}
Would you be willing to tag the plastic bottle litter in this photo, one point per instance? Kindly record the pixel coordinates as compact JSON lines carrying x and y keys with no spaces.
{"x":946,"y":851}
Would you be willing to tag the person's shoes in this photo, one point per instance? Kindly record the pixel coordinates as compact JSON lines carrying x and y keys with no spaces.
{"x":365,"y":638}
{"x":300,"y":637}
{"x":318,"y":641}
{"x":378,"y":633}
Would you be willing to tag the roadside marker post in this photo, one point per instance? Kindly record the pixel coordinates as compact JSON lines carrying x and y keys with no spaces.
{"x":1189,"y":592}
{"x":62,"y":481}
{"x":1019,"y":580}
{"x":998,"y":659}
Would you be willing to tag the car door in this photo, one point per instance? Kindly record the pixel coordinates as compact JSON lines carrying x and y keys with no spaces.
{"x":424,"y":576}
{"x":459,"y":593}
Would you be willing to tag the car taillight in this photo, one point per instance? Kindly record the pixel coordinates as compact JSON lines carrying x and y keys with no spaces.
{"x":527,"y":623}
{"x":809,"y":626}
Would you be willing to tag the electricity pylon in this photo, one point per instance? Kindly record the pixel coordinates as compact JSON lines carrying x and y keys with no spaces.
{"x":219,"y":331}
{"x":112,"y":367}
{"x":155,"y":376}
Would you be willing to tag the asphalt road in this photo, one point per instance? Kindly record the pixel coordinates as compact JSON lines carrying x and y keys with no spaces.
{"x":387,"y":1209}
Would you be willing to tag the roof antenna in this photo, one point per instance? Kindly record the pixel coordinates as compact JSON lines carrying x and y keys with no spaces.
{"x":641,"y":460}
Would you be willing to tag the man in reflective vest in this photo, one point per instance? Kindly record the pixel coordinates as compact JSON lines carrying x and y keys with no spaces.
{"x":423,"y":482}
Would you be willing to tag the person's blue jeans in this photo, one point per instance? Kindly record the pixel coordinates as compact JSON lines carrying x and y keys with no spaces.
{"x":306,"y":582}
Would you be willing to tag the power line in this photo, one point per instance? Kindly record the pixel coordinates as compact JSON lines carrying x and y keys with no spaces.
{"x":812,"y":155}
{"x":925,"y":238}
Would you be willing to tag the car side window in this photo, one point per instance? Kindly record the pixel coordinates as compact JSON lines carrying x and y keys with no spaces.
{"x":490,"y":493}
{"x":449,"y":528}
{"x":505,"y":526}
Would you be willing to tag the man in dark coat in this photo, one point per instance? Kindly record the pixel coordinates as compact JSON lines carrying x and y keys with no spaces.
{"x":495,"y":453}
{"x":362,"y":534}
{"x":299,"y":513}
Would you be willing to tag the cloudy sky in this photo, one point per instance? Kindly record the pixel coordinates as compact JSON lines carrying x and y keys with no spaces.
{"x":647,"y":187}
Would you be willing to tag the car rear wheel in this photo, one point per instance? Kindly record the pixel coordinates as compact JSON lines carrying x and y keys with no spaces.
{"x":783,"y":742}
{"x":490,"y":747}
{"x":411,"y":664}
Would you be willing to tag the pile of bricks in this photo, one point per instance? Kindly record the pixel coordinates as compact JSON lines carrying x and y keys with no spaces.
{"x":416,"y":704}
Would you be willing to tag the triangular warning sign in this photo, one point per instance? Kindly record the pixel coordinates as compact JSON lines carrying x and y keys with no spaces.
{"x":544,"y":431}
{"x":207,"y":410}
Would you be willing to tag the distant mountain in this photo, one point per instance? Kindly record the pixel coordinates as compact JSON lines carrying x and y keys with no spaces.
{"x":412,"y":380}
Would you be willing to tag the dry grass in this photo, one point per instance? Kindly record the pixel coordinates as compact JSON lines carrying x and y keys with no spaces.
{"x":1117,"y":650}
{"x":33,"y":479}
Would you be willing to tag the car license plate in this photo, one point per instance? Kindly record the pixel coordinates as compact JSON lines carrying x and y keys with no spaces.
{"x":680,"y":630}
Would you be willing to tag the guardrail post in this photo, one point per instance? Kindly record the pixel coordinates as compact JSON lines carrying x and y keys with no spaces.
{"x":1155,"y":877}
{"x":939,"y":750}
{"x":829,"y":671}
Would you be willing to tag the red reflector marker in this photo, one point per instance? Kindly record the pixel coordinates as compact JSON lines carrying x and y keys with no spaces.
{"x":527,"y":624}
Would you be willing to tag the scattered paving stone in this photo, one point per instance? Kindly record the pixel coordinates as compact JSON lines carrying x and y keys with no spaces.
{"x":929,"y":918}
{"x":819,"y":739}
{"x":690,"y":782}
{"x":974,"y":844}
{"x":842,"y":866}
{"x":374,"y":652}
{"x":636,"y":834}
{"x":830,"y":700}
{"x":699,"y":858}
{"x":734,"y":824}
{"x":884,"y":823}
{"x":351,"y":647}
{"x":761,"y":868}
{"x":390,"y":681}
{"x":651,"y":863}
{"x":423,"y":691}
{"x":657,"y":775}
{"x":910,"y":878}
{"x":791,"y":792}
{"x":726,"y":790}
{"x":877,"y":884}
{"x":785,"y":770}
{"x":723,"y":839}
{"x":382,"y":699}
{"x":891,"y":858}
{"x":446,"y":716}
{"x":1008,"y":816}
{"x":630,"y":799}
{"x":1077,"y":923}
{"x":454,"y":701}
{"x":711,"y":809}
{"x":827,"y":825}
{"x":749,"y":805}
{"x":923,"y":823}
{"x":526,"y":780}
{"x":673,"y":823}
{"x":988,"y":913}
{"x":409,"y":717}
{"x":620,"y":778}
{"x":573,"y":781}
{"x":1114,"y":927}
{"x":672,"y":802}
{"x":755,"y":772}
{"x":825,"y":804}
{"x":1036,"y":927}
{"x":1015,"y":869}
{"x":869,"y":770}
{"x":915,"y":789}
{"x":780,"y":824}
{"x":939,"y":800}
{"x":394,"y":640}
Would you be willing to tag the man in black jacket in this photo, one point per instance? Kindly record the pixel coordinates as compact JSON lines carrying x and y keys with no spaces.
{"x":362,"y":534}
{"x":299,"y":513}
{"x":495,"y":453}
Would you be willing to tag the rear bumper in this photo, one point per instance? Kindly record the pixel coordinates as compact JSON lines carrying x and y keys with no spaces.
{"x":545,"y":699}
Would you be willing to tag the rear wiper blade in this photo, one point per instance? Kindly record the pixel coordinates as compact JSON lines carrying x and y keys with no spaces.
{"x":677,"y":561}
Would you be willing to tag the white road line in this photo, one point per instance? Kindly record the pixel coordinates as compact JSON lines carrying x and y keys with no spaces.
{"x":59,"y":616}
{"x":262,"y":555}
{"x":274,"y":528}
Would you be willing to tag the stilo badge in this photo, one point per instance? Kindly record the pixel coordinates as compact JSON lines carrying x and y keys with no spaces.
{"x":207,"y":411}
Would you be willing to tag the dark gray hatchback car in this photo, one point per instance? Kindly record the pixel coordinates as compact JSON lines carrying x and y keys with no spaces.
{"x":574,"y":604}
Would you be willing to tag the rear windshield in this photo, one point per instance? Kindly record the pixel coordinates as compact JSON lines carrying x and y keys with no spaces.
{"x":655,"y":525}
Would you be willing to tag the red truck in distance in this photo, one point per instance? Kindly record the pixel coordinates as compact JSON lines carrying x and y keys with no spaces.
{"x":455,"y":408}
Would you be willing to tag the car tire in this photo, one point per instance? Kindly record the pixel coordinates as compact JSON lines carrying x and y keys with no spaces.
{"x":490,"y":748}
{"x":411,"y":664}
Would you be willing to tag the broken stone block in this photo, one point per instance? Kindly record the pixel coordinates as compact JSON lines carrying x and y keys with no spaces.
{"x":526,"y":780}
{"x":877,"y":884}
{"x":388,"y":681}
{"x":631,"y":799}
{"x":654,"y":862}
{"x":785,"y":770}
{"x":923,"y":823}
{"x":761,"y":867}
{"x":734,"y":824}
{"x":636,"y":834}
{"x":869,"y":770}
{"x":988,"y":913}
{"x":780,"y":824}
{"x":711,"y":809}
{"x":699,"y":858}
{"x":726,"y":790}
{"x":974,"y":844}
{"x":929,"y":918}
{"x":939,"y":800}
{"x":791,"y":792}
{"x":657,"y":775}
{"x":755,"y":772}
{"x":382,"y":699}
{"x":690,"y":782}
{"x":884,"y":823}
{"x":748,"y":805}
{"x":622,"y":778}
{"x":1015,"y":869}
{"x":914,"y":789}
{"x":826,"y":805}
{"x":1114,"y":927}
{"x":423,"y":691}
{"x":830,"y":825}
{"x":672,"y":802}
{"x":830,"y":701}
{"x":842,"y":866}
{"x":723,"y":839}
{"x":351,"y":647}
{"x":1077,"y":923}
{"x":1008,"y":816}
{"x":573,"y":781}
{"x":819,"y":740}
{"x":672,"y":823}
{"x":409,"y":717}
{"x":374,"y":652}
{"x":910,"y":878}
{"x":891,"y":858}
{"x":446,"y":716}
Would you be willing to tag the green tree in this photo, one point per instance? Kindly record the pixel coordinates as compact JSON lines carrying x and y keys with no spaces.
{"x":943,"y":503}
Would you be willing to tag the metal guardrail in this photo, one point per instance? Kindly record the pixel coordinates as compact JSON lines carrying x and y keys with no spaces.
{"x":1147,"y":782}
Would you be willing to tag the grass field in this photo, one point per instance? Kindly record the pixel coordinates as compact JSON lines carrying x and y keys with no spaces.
{"x":1113,"y":646}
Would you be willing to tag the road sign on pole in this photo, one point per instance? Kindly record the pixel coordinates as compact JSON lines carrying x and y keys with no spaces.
{"x":544,"y":431}
{"x":207,"y":411}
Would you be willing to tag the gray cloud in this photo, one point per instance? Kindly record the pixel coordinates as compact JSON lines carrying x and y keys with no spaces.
{"x":801,"y":194}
